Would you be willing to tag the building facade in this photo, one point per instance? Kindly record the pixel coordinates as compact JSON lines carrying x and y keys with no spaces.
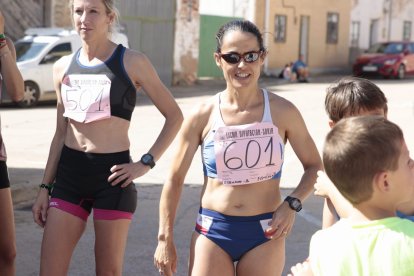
{"x":318,"y":29}
{"x":375,"y":21}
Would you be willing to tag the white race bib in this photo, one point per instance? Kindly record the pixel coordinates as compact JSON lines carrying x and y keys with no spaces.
{"x":86,"y":97}
{"x":247,"y":154}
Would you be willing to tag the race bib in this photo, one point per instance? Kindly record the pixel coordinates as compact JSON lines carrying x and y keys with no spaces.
{"x":247,"y":154}
{"x":86,"y":97}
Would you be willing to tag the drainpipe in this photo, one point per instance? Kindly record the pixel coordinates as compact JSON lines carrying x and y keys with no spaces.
{"x":390,"y":22}
{"x":267,"y":31}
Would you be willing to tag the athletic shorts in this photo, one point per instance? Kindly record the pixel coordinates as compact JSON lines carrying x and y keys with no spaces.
{"x":82,"y":185}
{"x":236,"y":235}
{"x":4,"y":175}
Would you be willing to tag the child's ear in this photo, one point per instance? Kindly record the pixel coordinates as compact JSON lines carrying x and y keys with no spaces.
{"x":331,"y":123}
{"x":380,"y":181}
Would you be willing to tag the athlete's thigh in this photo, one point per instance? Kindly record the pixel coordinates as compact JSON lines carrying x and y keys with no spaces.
{"x":207,"y":258}
{"x":110,"y":242}
{"x":7,"y":237}
{"x":266,"y":259}
{"x":61,"y":234}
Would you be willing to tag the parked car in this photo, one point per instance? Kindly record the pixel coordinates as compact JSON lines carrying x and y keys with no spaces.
{"x":36,"y":53}
{"x":387,"y":59}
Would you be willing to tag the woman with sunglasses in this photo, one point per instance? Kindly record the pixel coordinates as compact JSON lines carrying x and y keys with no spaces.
{"x":242,"y":132}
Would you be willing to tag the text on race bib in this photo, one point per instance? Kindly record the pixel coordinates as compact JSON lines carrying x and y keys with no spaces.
{"x":247,"y":154}
{"x":86,"y":97}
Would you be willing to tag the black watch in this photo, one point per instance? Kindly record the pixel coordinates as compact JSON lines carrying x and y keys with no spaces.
{"x":294,"y":203}
{"x":148,"y":159}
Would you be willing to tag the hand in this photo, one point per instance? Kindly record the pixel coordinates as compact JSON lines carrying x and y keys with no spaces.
{"x":39,"y":209}
{"x":301,"y":269}
{"x":281,"y":223}
{"x":323,"y":186}
{"x":1,"y":23}
{"x":165,"y":258}
{"x":126,"y":173}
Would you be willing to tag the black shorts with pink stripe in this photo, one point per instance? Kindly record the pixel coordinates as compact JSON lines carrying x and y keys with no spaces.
{"x":82,"y":185}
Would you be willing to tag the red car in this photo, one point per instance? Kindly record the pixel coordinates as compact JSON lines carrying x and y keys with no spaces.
{"x":387,"y":59}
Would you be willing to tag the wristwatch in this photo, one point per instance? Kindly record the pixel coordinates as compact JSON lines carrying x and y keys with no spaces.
{"x":294,"y":203}
{"x":148,"y":159}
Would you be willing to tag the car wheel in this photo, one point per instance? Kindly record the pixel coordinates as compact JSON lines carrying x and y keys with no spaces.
{"x":401,"y":72}
{"x":31,"y":94}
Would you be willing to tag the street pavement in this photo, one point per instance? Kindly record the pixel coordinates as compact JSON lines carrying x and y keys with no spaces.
{"x":28,"y":132}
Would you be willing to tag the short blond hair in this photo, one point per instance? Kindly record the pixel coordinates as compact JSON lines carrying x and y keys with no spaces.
{"x":357,"y":149}
{"x":110,"y":8}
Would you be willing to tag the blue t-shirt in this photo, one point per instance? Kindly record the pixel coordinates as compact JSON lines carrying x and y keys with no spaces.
{"x":401,"y":215}
{"x":297,"y":65}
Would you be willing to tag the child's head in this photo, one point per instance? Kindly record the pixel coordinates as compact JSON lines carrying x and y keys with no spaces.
{"x":357,"y":149}
{"x":352,"y":96}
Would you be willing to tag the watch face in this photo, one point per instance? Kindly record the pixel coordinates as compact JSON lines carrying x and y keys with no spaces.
{"x":296,"y":204}
{"x":146,"y":158}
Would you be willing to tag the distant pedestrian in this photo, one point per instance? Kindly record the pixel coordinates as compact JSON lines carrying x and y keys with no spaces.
{"x":242,"y":133}
{"x":286,"y":73}
{"x":300,"y":70}
{"x":89,"y":158}
{"x":13,"y":81}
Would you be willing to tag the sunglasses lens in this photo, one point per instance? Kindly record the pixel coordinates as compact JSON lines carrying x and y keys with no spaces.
{"x":251,"y":57}
{"x":231,"y":58}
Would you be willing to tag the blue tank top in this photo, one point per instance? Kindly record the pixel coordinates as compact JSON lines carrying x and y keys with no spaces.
{"x":207,"y":147}
{"x":122,"y":91}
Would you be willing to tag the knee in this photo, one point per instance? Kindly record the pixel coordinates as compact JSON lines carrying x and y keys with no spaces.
{"x":108,"y":271}
{"x":8,"y":255}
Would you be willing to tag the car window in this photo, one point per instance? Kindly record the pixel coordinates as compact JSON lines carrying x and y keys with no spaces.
{"x":57,"y":52}
{"x":387,"y":48}
{"x":26,"y":50}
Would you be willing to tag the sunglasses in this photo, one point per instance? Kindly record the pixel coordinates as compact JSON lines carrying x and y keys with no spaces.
{"x":235,"y":58}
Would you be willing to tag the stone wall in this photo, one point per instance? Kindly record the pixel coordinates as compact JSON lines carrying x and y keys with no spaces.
{"x":60,"y":14}
{"x":22,"y":14}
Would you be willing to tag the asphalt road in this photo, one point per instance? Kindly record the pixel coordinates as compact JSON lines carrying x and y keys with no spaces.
{"x":28,"y":134}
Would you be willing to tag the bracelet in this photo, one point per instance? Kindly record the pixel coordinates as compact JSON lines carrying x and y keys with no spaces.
{"x":48,"y":187}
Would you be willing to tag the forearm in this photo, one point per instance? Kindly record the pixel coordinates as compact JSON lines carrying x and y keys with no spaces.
{"x":342,"y":206}
{"x":168,"y":208}
{"x":11,"y":75}
{"x":305,"y":186}
{"x":329,"y":215}
{"x":167,"y":135}
{"x":53,"y":158}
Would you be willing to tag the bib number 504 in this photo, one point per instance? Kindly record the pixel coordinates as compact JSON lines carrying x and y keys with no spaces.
{"x":84,"y":99}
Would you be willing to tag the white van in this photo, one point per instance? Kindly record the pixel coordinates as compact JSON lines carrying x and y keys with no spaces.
{"x":36,"y":53}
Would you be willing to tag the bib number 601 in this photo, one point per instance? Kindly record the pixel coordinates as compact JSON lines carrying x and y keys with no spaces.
{"x":235,"y":163}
